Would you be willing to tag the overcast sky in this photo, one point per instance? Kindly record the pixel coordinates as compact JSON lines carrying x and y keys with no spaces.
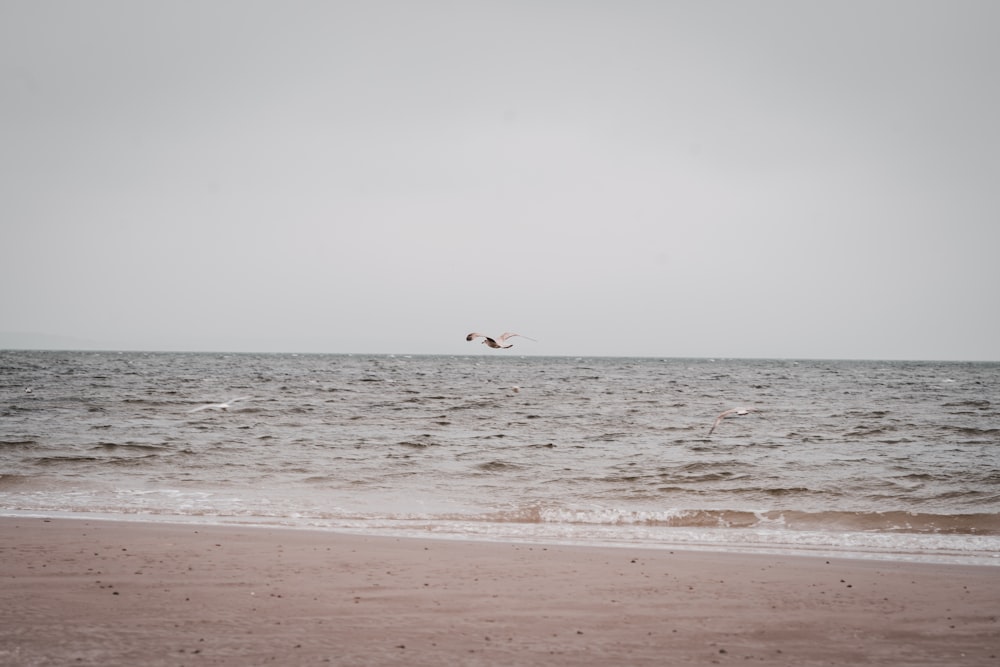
{"x":677,"y":179}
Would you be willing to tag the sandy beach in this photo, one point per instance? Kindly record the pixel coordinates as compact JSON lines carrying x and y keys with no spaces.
{"x":88,"y":592}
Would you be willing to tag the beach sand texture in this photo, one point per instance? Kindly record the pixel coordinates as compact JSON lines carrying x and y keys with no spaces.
{"x":83,"y":592}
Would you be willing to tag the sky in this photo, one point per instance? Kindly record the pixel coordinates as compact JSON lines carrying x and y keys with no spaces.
{"x":698,"y":178}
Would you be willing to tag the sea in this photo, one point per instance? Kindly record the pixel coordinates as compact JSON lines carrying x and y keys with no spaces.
{"x":894,"y":460}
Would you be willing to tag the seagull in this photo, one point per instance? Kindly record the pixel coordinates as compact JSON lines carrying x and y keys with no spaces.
{"x":220,"y":406}
{"x":732,"y":412}
{"x":497,"y":343}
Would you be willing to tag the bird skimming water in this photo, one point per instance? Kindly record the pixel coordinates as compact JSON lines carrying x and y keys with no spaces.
{"x":220,"y":406}
{"x":732,"y":412}
{"x":495,"y":343}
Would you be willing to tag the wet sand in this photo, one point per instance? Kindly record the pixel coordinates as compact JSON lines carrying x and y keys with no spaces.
{"x":83,"y":592}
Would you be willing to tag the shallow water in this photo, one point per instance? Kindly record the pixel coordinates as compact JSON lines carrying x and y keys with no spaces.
{"x":897,"y":458}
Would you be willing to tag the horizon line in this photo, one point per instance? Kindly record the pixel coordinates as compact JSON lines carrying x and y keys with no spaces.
{"x":485,"y":355}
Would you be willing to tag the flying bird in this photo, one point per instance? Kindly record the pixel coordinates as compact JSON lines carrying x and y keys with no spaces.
{"x":732,"y":412}
{"x":495,"y":343}
{"x":220,"y":406}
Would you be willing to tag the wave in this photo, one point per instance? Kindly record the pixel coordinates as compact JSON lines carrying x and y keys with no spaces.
{"x":68,"y":458}
{"x":497,"y":466}
{"x":980,"y":404}
{"x":795,"y":520}
{"x":14,"y":444}
{"x":972,"y":431}
{"x":127,"y":446}
{"x":135,"y":457}
{"x":16,"y":482}
{"x":415,"y":445}
{"x":969,"y":538}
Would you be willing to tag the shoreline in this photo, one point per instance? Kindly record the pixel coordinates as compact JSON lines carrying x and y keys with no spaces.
{"x":465,"y":531}
{"x":116,"y":592}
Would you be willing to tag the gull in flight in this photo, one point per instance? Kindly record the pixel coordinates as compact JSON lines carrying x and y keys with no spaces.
{"x":220,"y":406}
{"x":496,"y":343}
{"x":732,"y":412}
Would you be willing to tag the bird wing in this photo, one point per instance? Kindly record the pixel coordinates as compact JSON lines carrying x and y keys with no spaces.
{"x":730,"y":412}
{"x":717,"y":420}
{"x":474,"y":336}
{"x":504,"y":336}
{"x":722,"y":415}
{"x":219,"y":406}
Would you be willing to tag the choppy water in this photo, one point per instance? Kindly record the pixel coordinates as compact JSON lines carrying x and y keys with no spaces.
{"x":885,"y":458}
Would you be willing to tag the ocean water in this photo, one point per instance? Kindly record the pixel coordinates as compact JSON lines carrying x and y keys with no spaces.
{"x":878,"y":459}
